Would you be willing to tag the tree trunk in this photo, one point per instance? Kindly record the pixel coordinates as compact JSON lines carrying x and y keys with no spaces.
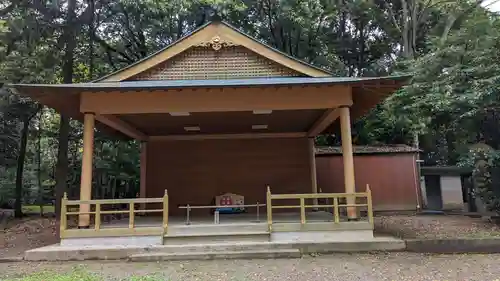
{"x":62,"y":163}
{"x":18,"y":212}
{"x":414,"y":24}
{"x":91,"y":39}
{"x":405,"y":32}
{"x":39,"y":163}
{"x":64,"y":126}
{"x":361,"y":42}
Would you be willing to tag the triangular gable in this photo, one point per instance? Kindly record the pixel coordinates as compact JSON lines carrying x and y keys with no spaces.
{"x":220,"y":46}
{"x":207,"y":63}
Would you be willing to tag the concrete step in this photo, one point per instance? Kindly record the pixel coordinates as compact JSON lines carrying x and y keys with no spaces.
{"x":114,"y":252}
{"x":216,"y":237}
{"x":217,"y":228}
{"x":221,"y":246}
{"x":248,"y":254}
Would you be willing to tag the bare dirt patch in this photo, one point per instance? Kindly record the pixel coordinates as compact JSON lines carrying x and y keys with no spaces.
{"x":435,"y":226}
{"x":25,"y":234}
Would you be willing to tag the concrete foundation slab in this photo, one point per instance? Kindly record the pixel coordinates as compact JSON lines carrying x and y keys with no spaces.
{"x":143,"y":241}
{"x":64,"y":253}
{"x":235,"y":239}
{"x":323,"y":236}
{"x":385,"y":244}
{"x":217,"y":237}
{"x":76,"y":253}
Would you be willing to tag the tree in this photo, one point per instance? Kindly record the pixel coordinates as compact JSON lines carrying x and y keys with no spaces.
{"x":69,"y":33}
{"x":455,"y":89}
{"x":452,"y":101}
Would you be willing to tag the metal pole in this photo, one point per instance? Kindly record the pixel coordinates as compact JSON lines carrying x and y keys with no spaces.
{"x":258,"y":214}
{"x":188,"y":209}
{"x":416,"y":143}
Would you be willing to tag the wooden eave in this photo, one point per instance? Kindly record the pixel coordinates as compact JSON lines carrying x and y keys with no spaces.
{"x":365,"y":93}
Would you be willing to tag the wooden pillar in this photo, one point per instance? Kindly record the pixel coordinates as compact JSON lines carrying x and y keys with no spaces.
{"x":86,"y":176}
{"x":312,"y":164}
{"x":143,"y":160}
{"x":347,"y":155}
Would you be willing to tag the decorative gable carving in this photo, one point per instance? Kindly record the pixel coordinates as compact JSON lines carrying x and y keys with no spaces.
{"x":216,"y":59}
{"x":217,"y":43}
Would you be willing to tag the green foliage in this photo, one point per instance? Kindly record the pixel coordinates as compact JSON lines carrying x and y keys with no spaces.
{"x":456,"y":86}
{"x":485,"y":162}
{"x":78,"y":274}
{"x":451,"y":47}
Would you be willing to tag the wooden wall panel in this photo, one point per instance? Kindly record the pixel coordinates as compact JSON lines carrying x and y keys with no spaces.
{"x":392,"y":178}
{"x":194,"y":172}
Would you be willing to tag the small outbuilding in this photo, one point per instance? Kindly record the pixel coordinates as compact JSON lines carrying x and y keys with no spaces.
{"x":390,"y":170}
{"x":448,"y":188}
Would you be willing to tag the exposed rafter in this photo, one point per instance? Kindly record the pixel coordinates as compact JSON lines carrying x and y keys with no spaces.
{"x":323,"y":122}
{"x":122,"y":126}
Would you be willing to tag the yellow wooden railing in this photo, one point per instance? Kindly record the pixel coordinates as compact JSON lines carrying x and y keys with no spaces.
{"x":336,"y":198}
{"x":68,"y":208}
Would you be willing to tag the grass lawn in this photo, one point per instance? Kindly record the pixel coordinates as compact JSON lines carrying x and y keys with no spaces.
{"x":35,"y":209}
{"x":76,"y":275}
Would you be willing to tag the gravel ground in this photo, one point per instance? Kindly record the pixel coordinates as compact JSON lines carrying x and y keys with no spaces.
{"x":342,"y":267}
{"x":435,"y":226}
{"x":27,"y":234}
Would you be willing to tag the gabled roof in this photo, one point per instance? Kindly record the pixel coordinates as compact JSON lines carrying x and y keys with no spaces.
{"x":248,"y":82}
{"x":203,"y":35}
{"x":367,"y":91}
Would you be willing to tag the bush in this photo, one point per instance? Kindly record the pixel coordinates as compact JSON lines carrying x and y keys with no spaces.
{"x":485,"y":162}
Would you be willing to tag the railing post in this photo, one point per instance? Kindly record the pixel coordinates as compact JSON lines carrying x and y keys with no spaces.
{"x":165,"y":212}
{"x":269,"y":207}
{"x":188,"y":212}
{"x":216,"y":217}
{"x":258,"y":214}
{"x":131,"y":215}
{"x":369,"y":204}
{"x":64,"y":218}
{"x":336,"y":209}
{"x":97,"y":216}
{"x":302,"y":211}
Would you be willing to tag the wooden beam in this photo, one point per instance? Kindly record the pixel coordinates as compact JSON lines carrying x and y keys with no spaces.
{"x":216,"y":99}
{"x":122,"y":126}
{"x":323,"y":122}
{"x":228,"y":136}
{"x":86,"y":175}
{"x":312,"y":165}
{"x":143,"y":173}
{"x":347,"y":155}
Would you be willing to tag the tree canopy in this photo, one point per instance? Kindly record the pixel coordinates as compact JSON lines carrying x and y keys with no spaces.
{"x":451,"y":48}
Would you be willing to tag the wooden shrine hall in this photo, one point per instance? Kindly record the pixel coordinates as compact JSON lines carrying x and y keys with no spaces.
{"x":217,"y":112}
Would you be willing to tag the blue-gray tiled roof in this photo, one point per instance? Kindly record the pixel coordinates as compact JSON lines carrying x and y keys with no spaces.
{"x":166,"y":84}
